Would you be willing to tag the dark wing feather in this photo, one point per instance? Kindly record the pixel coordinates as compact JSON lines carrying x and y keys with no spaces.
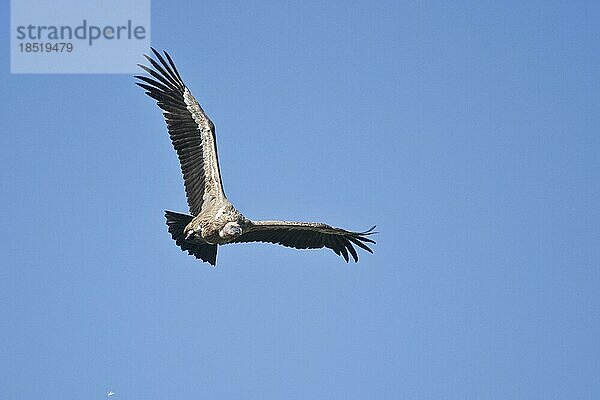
{"x":308,"y":235}
{"x":192,"y":132}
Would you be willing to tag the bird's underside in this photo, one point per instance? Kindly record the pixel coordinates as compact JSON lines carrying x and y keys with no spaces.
{"x":213,"y":220}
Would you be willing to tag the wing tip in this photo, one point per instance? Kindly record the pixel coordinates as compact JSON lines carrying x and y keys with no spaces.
{"x":370,"y":231}
{"x":164,"y":71}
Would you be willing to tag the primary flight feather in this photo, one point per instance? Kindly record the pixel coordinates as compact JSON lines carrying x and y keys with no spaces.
{"x":214,"y":220}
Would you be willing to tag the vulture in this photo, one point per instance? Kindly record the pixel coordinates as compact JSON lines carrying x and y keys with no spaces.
{"x":212,"y":219}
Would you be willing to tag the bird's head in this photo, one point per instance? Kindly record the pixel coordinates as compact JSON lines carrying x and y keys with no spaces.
{"x":230,"y":230}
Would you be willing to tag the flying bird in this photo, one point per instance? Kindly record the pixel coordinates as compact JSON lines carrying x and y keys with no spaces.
{"x":213,"y":220}
{"x":110,"y":393}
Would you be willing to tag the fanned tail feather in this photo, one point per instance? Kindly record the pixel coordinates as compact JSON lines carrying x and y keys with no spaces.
{"x":203,"y":251}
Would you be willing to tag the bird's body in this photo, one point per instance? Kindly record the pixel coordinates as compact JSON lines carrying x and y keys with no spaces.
{"x":214,"y":220}
{"x":209,"y":225}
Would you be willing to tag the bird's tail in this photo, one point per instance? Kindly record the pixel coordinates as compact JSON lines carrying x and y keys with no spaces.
{"x":203,"y":251}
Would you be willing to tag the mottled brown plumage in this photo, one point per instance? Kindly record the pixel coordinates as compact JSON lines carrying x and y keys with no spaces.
{"x":214,"y":220}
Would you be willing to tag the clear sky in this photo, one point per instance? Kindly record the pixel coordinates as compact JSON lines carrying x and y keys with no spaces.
{"x":467,"y":131}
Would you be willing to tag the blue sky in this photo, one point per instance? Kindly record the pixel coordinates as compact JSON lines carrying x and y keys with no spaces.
{"x":468,"y":132}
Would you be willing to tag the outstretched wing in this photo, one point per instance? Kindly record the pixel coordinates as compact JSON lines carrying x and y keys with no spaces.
{"x":192,"y":132}
{"x":308,"y":235}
